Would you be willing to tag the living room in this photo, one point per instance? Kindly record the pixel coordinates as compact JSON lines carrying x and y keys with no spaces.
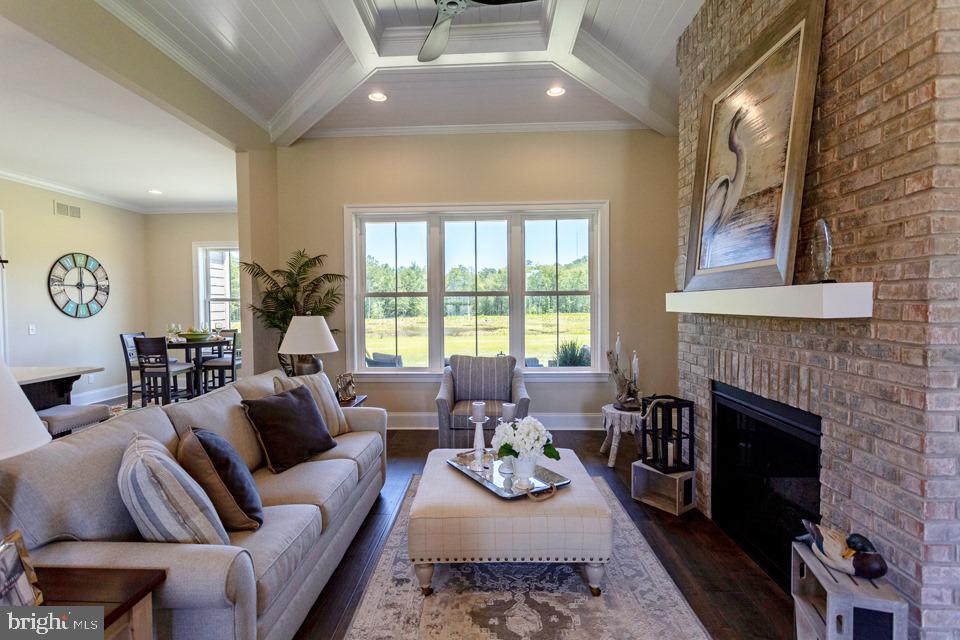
{"x":698,"y":259}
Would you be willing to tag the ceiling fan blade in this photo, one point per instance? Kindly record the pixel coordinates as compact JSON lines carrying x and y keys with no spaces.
{"x":436,"y":42}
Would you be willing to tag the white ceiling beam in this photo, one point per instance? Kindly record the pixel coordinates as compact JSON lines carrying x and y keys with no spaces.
{"x":608,"y":75}
{"x":348,"y":20}
{"x":564,"y":25}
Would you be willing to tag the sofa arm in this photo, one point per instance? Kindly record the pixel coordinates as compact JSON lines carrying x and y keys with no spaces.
{"x":199,"y":576}
{"x":370,"y":419}
{"x":518,"y":394}
{"x":445,"y":403}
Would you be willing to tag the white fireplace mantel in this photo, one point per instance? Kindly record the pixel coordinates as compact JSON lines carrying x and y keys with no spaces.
{"x":829,"y":300}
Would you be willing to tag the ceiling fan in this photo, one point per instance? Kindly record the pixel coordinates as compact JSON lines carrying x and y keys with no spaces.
{"x":436,"y":42}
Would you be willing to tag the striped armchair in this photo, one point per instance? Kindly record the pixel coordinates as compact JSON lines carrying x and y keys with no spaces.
{"x":466,"y":380}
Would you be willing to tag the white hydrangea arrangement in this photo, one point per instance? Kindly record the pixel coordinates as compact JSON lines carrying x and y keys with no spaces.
{"x":522,"y":438}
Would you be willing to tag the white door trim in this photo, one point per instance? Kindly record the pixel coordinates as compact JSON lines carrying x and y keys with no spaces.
{"x":4,"y":354}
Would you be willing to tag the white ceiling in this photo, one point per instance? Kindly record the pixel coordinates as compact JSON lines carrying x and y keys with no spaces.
{"x":446,"y":99}
{"x":291,"y":64}
{"x":66,"y":127}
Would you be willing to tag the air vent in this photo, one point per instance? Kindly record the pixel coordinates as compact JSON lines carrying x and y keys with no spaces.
{"x":66,"y":210}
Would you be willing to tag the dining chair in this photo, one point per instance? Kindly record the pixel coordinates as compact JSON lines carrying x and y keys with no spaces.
{"x":218,"y":368}
{"x":159,"y":372}
{"x":131,"y":364}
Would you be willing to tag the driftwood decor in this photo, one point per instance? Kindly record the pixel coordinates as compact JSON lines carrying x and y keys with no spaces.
{"x":628,"y":396}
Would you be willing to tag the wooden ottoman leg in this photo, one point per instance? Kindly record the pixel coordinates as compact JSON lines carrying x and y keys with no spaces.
{"x":594,"y":576}
{"x":425,"y":577}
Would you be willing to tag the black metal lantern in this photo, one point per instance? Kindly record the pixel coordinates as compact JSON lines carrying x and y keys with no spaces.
{"x":666,"y":435}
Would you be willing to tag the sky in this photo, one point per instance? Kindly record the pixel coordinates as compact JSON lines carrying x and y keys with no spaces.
{"x":541,"y":246}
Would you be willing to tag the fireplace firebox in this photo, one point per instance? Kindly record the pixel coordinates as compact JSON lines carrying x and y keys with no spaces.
{"x":766,"y":475}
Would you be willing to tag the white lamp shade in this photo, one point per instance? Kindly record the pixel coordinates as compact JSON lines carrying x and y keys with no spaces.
{"x":308,"y":335}
{"x":20,"y":427}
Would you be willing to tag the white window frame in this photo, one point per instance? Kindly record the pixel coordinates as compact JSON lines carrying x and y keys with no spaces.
{"x":200,"y":275}
{"x":598,"y":212}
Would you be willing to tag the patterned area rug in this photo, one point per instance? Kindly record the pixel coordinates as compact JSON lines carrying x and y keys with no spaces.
{"x":526,"y":601}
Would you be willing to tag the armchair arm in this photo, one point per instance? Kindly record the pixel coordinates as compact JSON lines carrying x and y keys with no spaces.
{"x":199,"y":576}
{"x":518,"y":394}
{"x":370,"y":419}
{"x":445,"y":402}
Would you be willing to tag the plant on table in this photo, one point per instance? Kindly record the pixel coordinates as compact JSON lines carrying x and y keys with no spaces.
{"x":524,"y":438}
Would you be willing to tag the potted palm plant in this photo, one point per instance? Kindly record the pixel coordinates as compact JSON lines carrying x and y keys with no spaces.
{"x":297,"y":290}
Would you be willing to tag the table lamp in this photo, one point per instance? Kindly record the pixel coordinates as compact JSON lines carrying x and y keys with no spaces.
{"x":20,"y":427}
{"x":307,"y":336}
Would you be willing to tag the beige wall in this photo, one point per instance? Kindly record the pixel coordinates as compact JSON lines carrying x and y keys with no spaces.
{"x":169,"y":277}
{"x":34,"y":239}
{"x":635,"y":170}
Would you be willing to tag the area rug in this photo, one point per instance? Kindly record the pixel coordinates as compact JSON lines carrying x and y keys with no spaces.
{"x":526,"y":601}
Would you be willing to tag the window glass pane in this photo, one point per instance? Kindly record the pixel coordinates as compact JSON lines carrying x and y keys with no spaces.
{"x":540,"y":331}
{"x":380,"y":335}
{"x":540,"y":254}
{"x":574,"y":318}
{"x":234,"y":315}
{"x":218,"y":314}
{"x":412,"y":256}
{"x":492,"y":248}
{"x":459,"y":326}
{"x":234,"y":288}
{"x":413,"y":334}
{"x":459,"y":255}
{"x":218,"y":276}
{"x":380,"y":238}
{"x":493,"y":325}
{"x":573,"y":243}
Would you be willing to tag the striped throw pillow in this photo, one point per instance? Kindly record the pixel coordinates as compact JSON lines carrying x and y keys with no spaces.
{"x":166,"y":504}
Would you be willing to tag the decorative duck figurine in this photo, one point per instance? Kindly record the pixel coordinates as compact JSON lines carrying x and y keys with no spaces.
{"x":853,"y":554}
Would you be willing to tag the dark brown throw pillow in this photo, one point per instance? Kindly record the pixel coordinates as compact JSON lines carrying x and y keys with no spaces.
{"x":290,"y":428}
{"x":217,"y":467}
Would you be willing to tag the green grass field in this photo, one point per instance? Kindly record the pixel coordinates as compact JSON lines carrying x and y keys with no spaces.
{"x":459,"y":337}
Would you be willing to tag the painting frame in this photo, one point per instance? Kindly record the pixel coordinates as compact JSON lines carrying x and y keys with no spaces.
{"x":805,"y":17}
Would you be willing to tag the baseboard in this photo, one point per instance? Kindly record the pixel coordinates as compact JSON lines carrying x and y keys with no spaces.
{"x":99,"y":395}
{"x":400,"y":420}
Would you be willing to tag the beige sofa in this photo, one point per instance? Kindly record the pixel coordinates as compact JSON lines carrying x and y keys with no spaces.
{"x":64,"y":498}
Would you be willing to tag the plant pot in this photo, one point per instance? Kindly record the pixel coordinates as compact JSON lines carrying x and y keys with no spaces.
{"x":523,"y":469}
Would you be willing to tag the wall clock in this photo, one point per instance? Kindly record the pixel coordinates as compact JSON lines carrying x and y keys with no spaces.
{"x":79,"y":285}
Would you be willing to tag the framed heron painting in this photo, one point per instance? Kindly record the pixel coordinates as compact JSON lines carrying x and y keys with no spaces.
{"x":751,"y":158}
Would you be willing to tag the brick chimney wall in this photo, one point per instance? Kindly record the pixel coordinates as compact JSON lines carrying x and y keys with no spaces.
{"x":882,"y":169}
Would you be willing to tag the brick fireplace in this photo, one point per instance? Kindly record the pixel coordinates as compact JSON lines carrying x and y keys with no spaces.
{"x":882,"y":169}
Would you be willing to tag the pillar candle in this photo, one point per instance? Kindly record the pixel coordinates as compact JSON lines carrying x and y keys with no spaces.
{"x":509,"y":411}
{"x":479,"y":410}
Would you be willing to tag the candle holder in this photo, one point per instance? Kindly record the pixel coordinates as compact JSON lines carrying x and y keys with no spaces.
{"x":478,"y":443}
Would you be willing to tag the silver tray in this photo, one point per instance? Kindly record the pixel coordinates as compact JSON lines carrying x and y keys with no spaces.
{"x":502,"y":485}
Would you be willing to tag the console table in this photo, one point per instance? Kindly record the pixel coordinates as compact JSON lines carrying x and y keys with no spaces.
{"x":47,"y":387}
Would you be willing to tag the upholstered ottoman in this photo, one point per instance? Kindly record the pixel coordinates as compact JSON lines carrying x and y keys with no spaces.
{"x":454,"y":519}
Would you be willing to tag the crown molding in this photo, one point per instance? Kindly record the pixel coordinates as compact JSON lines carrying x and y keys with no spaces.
{"x":522,"y":127}
{"x":99,"y":198}
{"x":133,"y":19}
{"x":370,"y":15}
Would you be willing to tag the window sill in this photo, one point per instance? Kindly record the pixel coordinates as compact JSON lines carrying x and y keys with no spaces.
{"x":436,"y":376}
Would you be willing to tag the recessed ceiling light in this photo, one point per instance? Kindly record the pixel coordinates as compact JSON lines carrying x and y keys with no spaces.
{"x":378,"y":96}
{"x":556,"y":91}
{"x":155,"y":192}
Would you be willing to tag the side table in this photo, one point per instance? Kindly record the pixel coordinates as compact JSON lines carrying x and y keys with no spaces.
{"x":126,"y":596}
{"x":616,"y":423}
{"x":356,"y":402}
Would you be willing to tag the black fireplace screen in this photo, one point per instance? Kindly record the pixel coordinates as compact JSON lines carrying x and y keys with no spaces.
{"x":766,"y":475}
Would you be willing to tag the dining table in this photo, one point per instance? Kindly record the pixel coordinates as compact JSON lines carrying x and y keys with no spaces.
{"x":193,"y":354}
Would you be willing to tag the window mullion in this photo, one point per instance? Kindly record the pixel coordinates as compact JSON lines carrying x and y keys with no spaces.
{"x":435,"y":292}
{"x":517,"y":283}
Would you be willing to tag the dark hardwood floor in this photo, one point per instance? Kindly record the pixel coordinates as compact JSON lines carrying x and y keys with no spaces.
{"x":732,"y":596}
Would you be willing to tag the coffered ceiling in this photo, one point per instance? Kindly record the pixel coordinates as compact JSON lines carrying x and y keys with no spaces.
{"x":305,"y":66}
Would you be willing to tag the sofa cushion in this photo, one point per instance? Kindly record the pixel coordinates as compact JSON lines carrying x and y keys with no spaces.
{"x":289,"y":427}
{"x":363,"y":447}
{"x":328,"y":484}
{"x":322,"y":391}
{"x":67,"y":489}
{"x":165,"y":502}
{"x":279,"y":547}
{"x":482,"y":378}
{"x":463,"y":409}
{"x":219,"y":469}
{"x":258,"y":386}
{"x":221,"y":412}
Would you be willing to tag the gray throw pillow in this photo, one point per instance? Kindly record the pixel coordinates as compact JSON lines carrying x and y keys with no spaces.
{"x":166,"y":504}
{"x":217,"y":467}
{"x":290,"y":428}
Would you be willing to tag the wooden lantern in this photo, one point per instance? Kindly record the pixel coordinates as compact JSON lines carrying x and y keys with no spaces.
{"x":666,"y":435}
